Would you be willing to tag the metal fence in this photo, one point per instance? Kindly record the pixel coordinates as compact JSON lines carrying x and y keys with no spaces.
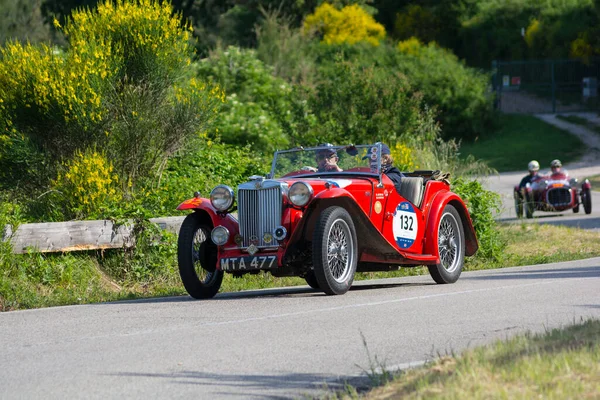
{"x":546,"y":86}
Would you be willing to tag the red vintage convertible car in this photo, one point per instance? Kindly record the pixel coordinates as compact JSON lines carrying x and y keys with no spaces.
{"x":553,"y":192}
{"x":324,"y":226}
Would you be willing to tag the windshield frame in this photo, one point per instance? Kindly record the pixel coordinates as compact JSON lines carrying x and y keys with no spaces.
{"x":377,"y":145}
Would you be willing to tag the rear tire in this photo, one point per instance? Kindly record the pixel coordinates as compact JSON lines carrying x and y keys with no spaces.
{"x":586,"y":199}
{"x":451,"y":248}
{"x":197,"y":258}
{"x":335,"y":251}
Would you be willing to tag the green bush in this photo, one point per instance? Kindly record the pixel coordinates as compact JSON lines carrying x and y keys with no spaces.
{"x":460,"y":93}
{"x":200,"y":169}
{"x":259,"y":106}
{"x":482,"y":204}
{"x":367,"y":104}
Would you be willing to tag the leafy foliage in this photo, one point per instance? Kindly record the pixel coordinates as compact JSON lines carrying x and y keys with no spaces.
{"x":482,"y":204}
{"x":460,"y":93}
{"x":365,"y":105}
{"x":259,"y":107}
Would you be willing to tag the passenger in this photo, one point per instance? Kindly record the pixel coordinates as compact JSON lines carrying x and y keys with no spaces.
{"x":327,"y":159}
{"x":556,"y":166}
{"x":387,"y":167}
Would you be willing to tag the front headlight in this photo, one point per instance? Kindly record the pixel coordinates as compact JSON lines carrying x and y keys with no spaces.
{"x":222,"y":197}
{"x":300,"y":194}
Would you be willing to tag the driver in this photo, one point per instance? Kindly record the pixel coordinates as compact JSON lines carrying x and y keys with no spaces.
{"x":556,"y":166}
{"x":533,"y":168}
{"x":327,"y":159}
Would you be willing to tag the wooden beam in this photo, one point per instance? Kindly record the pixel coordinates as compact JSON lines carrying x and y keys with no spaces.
{"x":78,"y":235}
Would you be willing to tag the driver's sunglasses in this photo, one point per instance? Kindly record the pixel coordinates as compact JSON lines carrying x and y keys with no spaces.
{"x":321,"y":157}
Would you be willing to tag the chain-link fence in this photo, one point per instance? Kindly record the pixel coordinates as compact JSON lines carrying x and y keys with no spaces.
{"x":546,"y":86}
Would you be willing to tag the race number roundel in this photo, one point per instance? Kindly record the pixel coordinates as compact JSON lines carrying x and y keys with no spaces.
{"x":405,"y":225}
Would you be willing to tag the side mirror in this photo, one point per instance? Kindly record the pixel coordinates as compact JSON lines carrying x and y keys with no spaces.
{"x":351,"y":150}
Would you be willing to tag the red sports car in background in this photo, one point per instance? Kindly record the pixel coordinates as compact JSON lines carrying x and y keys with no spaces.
{"x":553,"y":192}
{"x":324,"y":226}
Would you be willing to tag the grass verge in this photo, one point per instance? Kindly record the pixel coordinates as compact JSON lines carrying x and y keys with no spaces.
{"x":38,"y":280}
{"x":557,"y":364}
{"x":520,"y":139}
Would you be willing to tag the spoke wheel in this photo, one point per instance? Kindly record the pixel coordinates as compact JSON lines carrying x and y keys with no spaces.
{"x":197,"y":257}
{"x":334,"y":251}
{"x":451,"y":247}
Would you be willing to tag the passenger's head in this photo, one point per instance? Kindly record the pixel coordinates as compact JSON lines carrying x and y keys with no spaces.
{"x":326,"y":156}
{"x":533,"y":167}
{"x":386,"y":157}
{"x":555,"y":165}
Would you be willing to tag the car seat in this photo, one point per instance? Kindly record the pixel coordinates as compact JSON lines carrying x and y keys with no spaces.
{"x":411,"y":188}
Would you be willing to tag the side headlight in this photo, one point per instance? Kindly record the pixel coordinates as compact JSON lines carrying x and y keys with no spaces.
{"x":222,"y":197}
{"x":219,"y":235}
{"x":300,"y":193}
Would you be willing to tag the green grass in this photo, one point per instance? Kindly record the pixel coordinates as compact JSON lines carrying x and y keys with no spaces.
{"x":557,"y":364}
{"x":520,"y":139}
{"x":45,"y":280}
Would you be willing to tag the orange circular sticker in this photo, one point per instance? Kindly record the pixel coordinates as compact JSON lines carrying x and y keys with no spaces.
{"x":377,"y":207}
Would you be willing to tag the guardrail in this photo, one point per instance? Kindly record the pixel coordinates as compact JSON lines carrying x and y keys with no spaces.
{"x":68,"y":236}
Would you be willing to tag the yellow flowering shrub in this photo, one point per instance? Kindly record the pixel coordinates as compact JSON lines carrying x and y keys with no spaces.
{"x":87,"y":184}
{"x":581,"y":48}
{"x":403,"y":157}
{"x":410,"y":46}
{"x":532,"y":31}
{"x":144,"y":32}
{"x":52,"y":84}
{"x":122,"y":85}
{"x":351,"y":24}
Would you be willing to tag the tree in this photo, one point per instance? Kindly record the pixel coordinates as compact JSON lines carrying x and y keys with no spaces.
{"x":23,"y":21}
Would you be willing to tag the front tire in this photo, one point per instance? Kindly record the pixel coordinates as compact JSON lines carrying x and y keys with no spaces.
{"x":528,"y":205}
{"x":586,"y":199}
{"x":451,"y":248}
{"x":311,"y":279}
{"x":335,"y":251}
{"x":518,"y":205}
{"x":197,"y":258}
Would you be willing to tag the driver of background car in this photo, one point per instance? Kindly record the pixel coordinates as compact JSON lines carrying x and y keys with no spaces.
{"x":533,"y":168}
{"x":327,"y":159}
{"x":556,"y":166}
{"x":387,"y":167}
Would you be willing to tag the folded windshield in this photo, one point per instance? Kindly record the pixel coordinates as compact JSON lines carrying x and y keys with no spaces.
{"x":327,"y":160}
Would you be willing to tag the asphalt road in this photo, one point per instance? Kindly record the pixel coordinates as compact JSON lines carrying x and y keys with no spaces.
{"x":282,"y":343}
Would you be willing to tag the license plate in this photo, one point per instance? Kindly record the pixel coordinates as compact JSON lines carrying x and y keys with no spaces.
{"x":248,"y":263}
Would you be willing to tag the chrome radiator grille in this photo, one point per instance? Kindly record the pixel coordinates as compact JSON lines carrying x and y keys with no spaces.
{"x":559,"y":197}
{"x":259,"y":212}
